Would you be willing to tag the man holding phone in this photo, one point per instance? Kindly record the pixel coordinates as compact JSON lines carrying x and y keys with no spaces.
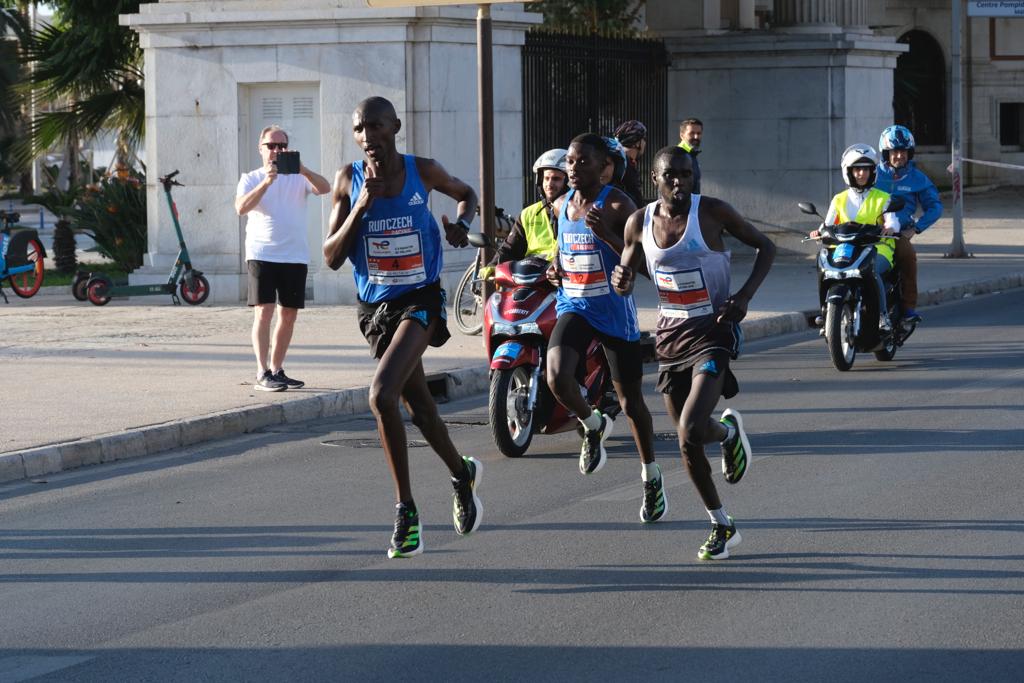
{"x":276,"y":250}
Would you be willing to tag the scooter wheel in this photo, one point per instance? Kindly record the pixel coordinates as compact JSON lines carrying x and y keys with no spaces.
{"x":79,"y":288}
{"x":198,"y":292}
{"x":96,"y":290}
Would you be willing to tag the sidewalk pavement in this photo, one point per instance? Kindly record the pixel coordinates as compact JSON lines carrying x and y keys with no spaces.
{"x":136,"y":377}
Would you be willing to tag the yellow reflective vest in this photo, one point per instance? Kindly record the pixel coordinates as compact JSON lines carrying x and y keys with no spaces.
{"x":870,"y":213}
{"x":540,"y":238}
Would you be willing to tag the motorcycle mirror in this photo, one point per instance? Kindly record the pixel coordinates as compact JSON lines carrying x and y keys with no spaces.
{"x":478,"y":240}
{"x":807,"y":207}
{"x":896,"y":204}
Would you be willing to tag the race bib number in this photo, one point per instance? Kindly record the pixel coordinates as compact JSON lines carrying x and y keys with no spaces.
{"x":584,"y":274}
{"x":395,"y":259}
{"x":682,"y":293}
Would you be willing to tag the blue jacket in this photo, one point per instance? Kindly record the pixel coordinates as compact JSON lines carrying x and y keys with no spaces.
{"x":916,"y":190}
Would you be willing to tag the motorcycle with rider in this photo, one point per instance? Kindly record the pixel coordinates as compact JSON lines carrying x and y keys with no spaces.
{"x":859,"y":291}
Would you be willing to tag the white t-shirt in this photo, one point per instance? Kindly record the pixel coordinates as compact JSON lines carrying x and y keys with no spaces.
{"x":276,"y":227}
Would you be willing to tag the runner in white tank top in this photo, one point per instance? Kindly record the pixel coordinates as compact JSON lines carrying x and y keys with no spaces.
{"x":680,"y":237}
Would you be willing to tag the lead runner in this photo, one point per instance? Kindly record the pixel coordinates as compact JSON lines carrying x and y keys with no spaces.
{"x":380,"y":221}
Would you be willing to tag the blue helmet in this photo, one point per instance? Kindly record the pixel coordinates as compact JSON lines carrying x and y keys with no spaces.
{"x":617,"y":154}
{"x":896,"y":137}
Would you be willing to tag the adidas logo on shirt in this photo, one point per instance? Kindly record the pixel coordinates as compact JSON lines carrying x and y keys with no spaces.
{"x":416,"y":199}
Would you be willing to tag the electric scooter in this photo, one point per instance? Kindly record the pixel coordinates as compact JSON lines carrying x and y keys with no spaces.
{"x":194,"y":288}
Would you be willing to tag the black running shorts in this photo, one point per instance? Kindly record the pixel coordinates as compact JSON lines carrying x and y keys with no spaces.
{"x":281,"y":283}
{"x":625,"y":358}
{"x":378,"y":322}
{"x":676,"y":380}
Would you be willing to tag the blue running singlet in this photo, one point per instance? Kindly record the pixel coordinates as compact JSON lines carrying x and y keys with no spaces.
{"x":399,"y":244}
{"x":586,"y":288}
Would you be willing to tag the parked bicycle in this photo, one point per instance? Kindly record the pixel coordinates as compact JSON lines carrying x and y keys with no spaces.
{"x":469,"y":294}
{"x":21,"y":257}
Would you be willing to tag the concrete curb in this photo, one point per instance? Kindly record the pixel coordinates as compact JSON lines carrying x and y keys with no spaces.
{"x":152,"y":439}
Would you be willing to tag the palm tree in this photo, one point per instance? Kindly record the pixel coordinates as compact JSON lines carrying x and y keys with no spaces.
{"x":88,"y":70}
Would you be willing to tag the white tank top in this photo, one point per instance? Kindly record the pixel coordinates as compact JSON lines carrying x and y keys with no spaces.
{"x":692,"y":280}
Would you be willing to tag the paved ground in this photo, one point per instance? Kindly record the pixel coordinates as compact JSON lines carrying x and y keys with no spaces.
{"x":882,"y":531}
{"x":83,"y":372}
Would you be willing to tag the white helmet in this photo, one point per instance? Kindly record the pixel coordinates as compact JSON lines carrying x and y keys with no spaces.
{"x":859,"y":155}
{"x":553,"y":159}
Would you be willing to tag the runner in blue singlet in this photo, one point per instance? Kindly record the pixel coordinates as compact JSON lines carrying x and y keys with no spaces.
{"x":678,"y":240}
{"x":590,"y":223}
{"x":380,"y":221}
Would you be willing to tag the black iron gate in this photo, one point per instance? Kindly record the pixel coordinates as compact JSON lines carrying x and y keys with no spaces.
{"x":576,"y":84}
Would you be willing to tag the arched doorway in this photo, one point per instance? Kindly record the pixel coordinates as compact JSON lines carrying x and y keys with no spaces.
{"x":919,"y":89}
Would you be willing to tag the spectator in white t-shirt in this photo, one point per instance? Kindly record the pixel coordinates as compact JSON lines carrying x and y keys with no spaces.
{"x":276,"y":253}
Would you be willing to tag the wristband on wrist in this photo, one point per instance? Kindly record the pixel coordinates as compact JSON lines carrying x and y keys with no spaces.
{"x":462,"y":224}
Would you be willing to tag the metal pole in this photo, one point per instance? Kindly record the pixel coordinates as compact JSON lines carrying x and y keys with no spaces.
{"x":485,"y":107}
{"x":957,"y":248}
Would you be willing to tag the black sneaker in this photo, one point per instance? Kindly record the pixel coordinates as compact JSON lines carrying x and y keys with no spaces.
{"x":655,"y":503}
{"x":406,"y":542}
{"x":467,"y":510}
{"x":288,"y":381}
{"x":267,"y":382}
{"x":721,"y":539}
{"x":593,"y":455}
{"x":736,"y":453}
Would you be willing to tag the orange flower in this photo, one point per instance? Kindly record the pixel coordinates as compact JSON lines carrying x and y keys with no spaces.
{"x":111,"y":208}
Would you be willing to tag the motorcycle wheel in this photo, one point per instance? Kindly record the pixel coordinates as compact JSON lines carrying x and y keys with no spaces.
{"x":887,"y":352}
{"x":511,"y":423}
{"x":468,"y":308}
{"x":839,"y":335}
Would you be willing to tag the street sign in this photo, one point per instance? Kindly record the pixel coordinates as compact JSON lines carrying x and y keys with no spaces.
{"x":995,"y":8}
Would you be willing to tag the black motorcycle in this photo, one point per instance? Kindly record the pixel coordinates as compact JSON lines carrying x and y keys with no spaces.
{"x":848,"y":292}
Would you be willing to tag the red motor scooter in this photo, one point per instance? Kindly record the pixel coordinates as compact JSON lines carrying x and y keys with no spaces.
{"x":518,"y":320}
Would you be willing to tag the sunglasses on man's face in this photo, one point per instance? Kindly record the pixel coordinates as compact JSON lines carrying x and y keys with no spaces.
{"x":276,"y":145}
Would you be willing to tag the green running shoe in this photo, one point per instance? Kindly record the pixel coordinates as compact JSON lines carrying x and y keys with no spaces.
{"x":467,"y":510}
{"x":655,"y":503}
{"x":721,"y":539}
{"x":736,"y":453}
{"x":593,"y":455}
{"x":406,"y":541}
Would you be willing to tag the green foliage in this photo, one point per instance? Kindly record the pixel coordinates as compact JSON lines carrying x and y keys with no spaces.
{"x":590,"y":16}
{"x":113,"y":214}
{"x":88,"y":68}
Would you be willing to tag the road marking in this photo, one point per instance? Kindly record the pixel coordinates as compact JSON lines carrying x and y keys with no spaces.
{"x":24,"y":667}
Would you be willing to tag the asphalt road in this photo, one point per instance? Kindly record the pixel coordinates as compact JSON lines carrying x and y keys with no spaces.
{"x":883,"y":538}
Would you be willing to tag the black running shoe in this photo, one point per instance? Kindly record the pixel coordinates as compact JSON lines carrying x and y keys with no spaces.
{"x":267,"y":382}
{"x":593,"y":455}
{"x":288,"y":381}
{"x":406,"y":541}
{"x":736,"y":453}
{"x":655,"y":503}
{"x":467,"y":510}
{"x":721,"y":539}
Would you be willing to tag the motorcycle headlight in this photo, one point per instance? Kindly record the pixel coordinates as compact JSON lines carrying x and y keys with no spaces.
{"x":503,"y":329}
{"x":529,"y":328}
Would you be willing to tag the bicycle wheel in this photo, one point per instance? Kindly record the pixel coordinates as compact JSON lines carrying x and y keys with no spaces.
{"x":469,"y":315}
{"x":28,"y":283}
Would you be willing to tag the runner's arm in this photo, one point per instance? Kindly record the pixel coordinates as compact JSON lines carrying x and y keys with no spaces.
{"x":733,"y":223}
{"x":436,"y":178}
{"x":633,"y":261}
{"x":343,"y":225}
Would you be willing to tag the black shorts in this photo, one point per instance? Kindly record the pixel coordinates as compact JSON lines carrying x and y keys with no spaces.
{"x":676,"y":380}
{"x":378,"y":322}
{"x":625,"y":358}
{"x":281,"y":283}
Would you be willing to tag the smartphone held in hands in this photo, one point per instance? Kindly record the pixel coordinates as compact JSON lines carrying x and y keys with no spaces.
{"x":287,"y":162}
